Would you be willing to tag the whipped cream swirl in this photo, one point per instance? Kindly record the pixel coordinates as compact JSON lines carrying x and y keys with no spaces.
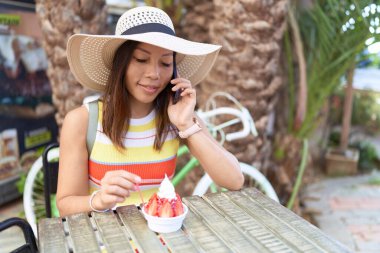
{"x":166,"y":189}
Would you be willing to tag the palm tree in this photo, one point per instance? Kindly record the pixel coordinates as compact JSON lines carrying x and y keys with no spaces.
{"x":332,"y":33}
{"x":59,"y":20}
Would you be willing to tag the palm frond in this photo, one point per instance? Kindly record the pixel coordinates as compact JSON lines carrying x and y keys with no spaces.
{"x":330,"y":48}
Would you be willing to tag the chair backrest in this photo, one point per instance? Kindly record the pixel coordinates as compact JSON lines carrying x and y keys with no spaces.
{"x":30,"y":241}
{"x":50,"y":170}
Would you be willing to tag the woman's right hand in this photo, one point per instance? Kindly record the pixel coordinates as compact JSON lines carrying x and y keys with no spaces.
{"x":115,"y":187}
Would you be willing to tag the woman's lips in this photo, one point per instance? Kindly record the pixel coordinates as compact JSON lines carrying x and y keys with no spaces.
{"x":149,"y":88}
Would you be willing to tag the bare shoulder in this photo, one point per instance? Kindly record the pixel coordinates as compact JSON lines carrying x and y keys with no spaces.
{"x":75,"y":123}
{"x":77,"y":117}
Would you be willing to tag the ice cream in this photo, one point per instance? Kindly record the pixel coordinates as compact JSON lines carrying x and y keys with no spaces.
{"x":165,"y":203}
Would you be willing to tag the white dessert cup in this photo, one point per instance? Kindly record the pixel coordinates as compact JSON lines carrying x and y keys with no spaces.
{"x":165,"y":225}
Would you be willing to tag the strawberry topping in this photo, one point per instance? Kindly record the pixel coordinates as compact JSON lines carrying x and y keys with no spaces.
{"x":152,"y":207}
{"x":163,"y":207}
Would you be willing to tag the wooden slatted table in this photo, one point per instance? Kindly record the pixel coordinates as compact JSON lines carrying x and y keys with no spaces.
{"x":235,"y":221}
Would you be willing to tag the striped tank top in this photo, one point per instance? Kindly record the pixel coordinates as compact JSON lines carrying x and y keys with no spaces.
{"x":138,"y":158}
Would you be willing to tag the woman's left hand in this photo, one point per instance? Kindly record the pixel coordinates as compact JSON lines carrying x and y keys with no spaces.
{"x":181,"y":114}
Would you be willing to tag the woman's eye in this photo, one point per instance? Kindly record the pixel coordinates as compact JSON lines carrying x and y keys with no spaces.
{"x":166,"y":64}
{"x":140,"y":60}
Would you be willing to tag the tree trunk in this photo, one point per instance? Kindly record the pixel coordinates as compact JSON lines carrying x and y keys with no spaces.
{"x":59,"y":20}
{"x":248,"y":65}
{"x":302,"y":86}
{"x":347,"y":111}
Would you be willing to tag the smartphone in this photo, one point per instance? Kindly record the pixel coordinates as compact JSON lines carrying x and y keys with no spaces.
{"x":176,"y":95}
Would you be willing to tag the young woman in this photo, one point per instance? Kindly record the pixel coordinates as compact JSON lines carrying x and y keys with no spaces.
{"x":139,"y":124}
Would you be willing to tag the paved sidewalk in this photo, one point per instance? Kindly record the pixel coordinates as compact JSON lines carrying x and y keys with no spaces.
{"x":347,"y":209}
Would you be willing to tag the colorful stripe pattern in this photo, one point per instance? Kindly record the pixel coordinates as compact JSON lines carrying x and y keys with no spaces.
{"x":138,"y":158}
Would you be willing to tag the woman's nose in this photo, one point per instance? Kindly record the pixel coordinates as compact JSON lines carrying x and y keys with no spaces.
{"x":153,"y":71}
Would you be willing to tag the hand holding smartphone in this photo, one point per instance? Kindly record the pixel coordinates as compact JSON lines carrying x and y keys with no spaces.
{"x":176,"y":94}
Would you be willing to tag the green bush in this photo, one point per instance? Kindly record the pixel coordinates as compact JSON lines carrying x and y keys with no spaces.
{"x":368,"y":158}
{"x":334,"y":139}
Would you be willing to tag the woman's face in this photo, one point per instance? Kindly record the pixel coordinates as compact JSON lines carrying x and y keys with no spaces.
{"x":148,"y":73}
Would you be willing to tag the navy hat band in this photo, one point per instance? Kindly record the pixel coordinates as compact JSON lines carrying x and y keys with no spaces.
{"x":151,"y":27}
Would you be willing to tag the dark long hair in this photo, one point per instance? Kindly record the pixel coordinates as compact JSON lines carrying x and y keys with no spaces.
{"x":117,"y":110}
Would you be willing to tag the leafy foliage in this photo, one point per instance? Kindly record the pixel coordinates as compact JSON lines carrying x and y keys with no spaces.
{"x":368,"y":158}
{"x":374,"y":60}
{"x":333,"y":34}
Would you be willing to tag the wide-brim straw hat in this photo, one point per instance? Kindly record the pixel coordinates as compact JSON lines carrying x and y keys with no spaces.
{"x":90,"y":56}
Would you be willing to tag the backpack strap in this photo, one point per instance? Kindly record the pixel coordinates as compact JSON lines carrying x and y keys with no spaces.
{"x":93,"y":111}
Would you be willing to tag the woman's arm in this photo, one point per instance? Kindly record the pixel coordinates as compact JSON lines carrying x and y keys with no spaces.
{"x":72,"y":190}
{"x":221,"y":165}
